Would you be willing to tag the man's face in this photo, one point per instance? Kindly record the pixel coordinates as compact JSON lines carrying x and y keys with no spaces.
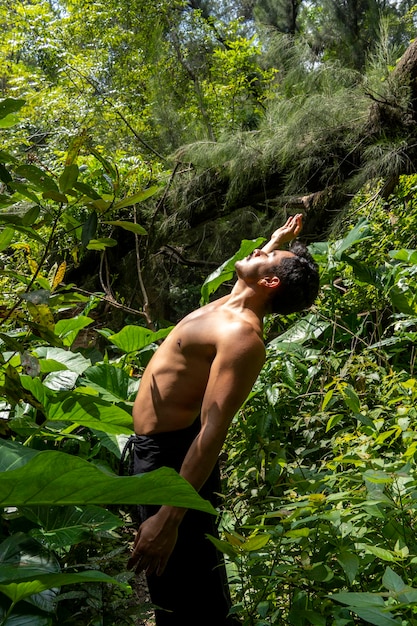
{"x":260,"y":264}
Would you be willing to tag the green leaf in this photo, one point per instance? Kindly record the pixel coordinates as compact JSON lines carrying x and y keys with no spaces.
{"x":327,"y":398}
{"x":86,"y":190}
{"x":298,"y":532}
{"x":10,"y":105}
{"x":55,"y":478}
{"x":89,"y":228}
{"x":137,"y":197}
{"x":9,"y":121}
{"x":358,"y":599}
{"x":19,"y":591}
{"x":56,"y":196}
{"x":350,"y":564}
{"x":131,"y":226}
{"x":227,"y":269}
{"x":350,"y":398}
{"x":409,"y":256}
{"x":68,"y":329}
{"x":101,"y":244}
{"x":333,"y":420}
{"x":109,"y":167}
{"x":23,"y":190}
{"x":252,"y":544}
{"x":357,"y":235}
{"x":61,"y":527}
{"x":111,"y":382}
{"x":68,"y":177}
{"x":392,"y":581}
{"x":381,"y":553}
{"x":377,"y":617}
{"x":37,"y":177}
{"x":72,"y":360}
{"x":6,"y":237}
{"x":309,"y":327}
{"x":26,"y":618}
{"x":88,"y":411}
{"x":132,"y":338}
{"x":223,"y":546}
{"x":14,"y":455}
{"x":31,"y":216}
{"x":362,"y":271}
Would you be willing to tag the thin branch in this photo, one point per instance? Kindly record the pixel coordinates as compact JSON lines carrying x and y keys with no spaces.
{"x":108,"y":300}
{"x":140,"y":278}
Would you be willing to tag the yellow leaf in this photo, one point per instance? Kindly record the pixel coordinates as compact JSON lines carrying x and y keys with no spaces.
{"x":59,"y":275}
{"x":33,"y":266}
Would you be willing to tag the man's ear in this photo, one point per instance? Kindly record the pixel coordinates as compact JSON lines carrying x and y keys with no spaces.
{"x":271,"y":282}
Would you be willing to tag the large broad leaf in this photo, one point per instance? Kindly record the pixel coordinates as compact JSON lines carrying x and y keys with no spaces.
{"x":62,"y":527}
{"x":78,"y":408}
{"x":52,"y":478}
{"x":23,"y":558}
{"x":111,"y":382}
{"x":68,"y":329}
{"x":132,"y":338}
{"x":89,"y":411}
{"x":14,"y":455}
{"x":227,"y":269}
{"x":309,"y":327}
{"x":72,"y":360}
{"x":21,"y":590}
{"x":357,"y":235}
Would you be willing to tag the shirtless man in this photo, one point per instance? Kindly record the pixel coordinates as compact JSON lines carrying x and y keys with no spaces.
{"x":190,"y":391}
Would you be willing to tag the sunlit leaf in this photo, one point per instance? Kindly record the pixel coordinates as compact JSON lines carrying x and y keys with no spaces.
{"x":132,"y":338}
{"x":227,"y":269}
{"x":137,"y":197}
{"x":6,"y":237}
{"x":101,"y":244}
{"x":131,"y":226}
{"x":55,"y":478}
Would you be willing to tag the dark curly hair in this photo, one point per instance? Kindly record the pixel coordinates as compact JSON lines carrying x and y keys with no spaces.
{"x":300,"y":281}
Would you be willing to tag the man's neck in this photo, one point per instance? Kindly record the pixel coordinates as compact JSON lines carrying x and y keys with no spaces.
{"x":244,"y":298}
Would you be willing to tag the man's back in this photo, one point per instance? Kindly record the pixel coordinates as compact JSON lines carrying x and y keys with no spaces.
{"x":175,"y":381}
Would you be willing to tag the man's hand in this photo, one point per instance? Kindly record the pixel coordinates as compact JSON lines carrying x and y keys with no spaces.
{"x":154,"y":543}
{"x":289,"y":231}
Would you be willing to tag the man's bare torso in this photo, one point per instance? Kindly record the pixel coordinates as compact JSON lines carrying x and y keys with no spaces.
{"x":173,"y":385}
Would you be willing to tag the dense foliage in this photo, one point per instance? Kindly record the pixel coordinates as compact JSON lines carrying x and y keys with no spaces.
{"x":106,"y":239}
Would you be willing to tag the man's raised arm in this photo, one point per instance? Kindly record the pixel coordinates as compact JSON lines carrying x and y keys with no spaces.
{"x":286,"y":233}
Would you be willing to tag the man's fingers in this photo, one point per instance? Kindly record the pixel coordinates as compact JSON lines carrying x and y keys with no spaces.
{"x":161,"y":567}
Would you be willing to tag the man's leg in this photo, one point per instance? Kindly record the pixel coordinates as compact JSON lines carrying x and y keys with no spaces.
{"x":193,"y":589}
